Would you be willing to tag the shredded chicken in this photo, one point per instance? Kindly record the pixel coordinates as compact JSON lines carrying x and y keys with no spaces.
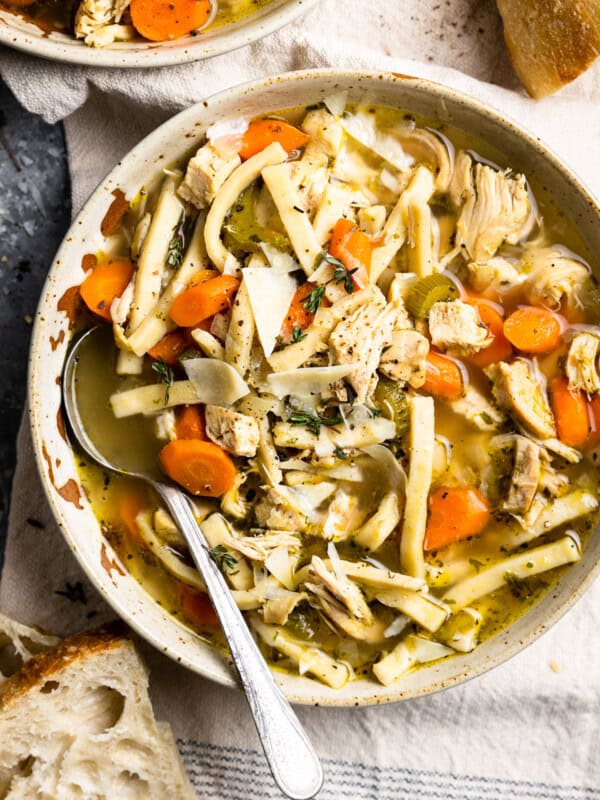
{"x":341,"y":588}
{"x":515,"y":388}
{"x":554,"y":278}
{"x":581,"y":366}
{"x":92,"y":15}
{"x":277,"y":609}
{"x":261,"y":545}
{"x":525,"y":476}
{"x":496,"y":275}
{"x":406,"y":358}
{"x":494,"y":207}
{"x":475,"y":407}
{"x":456,"y":328}
{"x":206,"y":172}
{"x":428,"y":147}
{"x":360,"y":338}
{"x":237,"y":433}
{"x":344,"y":516}
{"x":325,"y":131}
{"x":279,"y":510}
{"x":164,"y":425}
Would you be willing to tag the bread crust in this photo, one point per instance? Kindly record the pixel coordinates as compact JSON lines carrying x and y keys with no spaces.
{"x":46,"y":666}
{"x":550,"y":42}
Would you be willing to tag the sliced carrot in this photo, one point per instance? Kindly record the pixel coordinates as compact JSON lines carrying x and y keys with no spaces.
{"x":532,"y":329}
{"x":298,"y":315}
{"x":443,"y":377}
{"x":594,"y":410}
{"x":354,"y":249}
{"x":190,"y":423}
{"x":204,"y":275}
{"x":500,"y":349}
{"x":169,"y":348}
{"x":104,"y":284}
{"x":130,"y":503}
{"x":202,"y":468}
{"x":203,"y":300}
{"x":163,"y":20}
{"x":455,"y":512}
{"x":196,"y":607}
{"x":263,"y":132}
{"x":570,"y":413}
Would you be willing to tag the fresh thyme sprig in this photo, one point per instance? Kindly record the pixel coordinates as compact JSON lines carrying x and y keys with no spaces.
{"x":175,"y":250}
{"x":297,"y":336}
{"x":313,"y":421}
{"x":224,"y":560}
{"x":313,"y":300}
{"x":165,"y":375}
{"x":341,"y":274}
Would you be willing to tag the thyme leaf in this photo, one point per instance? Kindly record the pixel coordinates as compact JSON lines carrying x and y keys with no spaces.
{"x":224,"y":560}
{"x":313,"y":421}
{"x":313,"y":300}
{"x":165,"y":376}
{"x":175,"y":249}
{"x":343,"y":275}
{"x":297,"y":334}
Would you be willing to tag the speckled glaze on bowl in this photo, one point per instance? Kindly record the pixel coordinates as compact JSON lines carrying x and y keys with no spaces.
{"x":51,"y":337}
{"x":22,"y":35}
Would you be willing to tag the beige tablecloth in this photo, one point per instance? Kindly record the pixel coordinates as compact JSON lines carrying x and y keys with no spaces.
{"x":526,"y":730}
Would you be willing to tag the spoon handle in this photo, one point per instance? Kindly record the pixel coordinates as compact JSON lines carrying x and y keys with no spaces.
{"x":292,"y":760}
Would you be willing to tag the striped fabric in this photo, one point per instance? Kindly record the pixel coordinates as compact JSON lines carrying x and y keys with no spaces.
{"x":234,"y":773}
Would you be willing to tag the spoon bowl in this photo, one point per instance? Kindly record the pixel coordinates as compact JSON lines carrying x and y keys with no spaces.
{"x":290,"y":755}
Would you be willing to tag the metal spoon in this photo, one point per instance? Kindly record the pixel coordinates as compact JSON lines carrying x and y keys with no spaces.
{"x":291,"y":757}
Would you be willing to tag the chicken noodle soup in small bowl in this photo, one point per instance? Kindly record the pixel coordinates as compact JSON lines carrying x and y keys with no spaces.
{"x":137,"y":33}
{"x":355,"y":317}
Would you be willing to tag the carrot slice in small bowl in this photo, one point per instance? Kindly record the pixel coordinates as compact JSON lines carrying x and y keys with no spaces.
{"x":164,"y":20}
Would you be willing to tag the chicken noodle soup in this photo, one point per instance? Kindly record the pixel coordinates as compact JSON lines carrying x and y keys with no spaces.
{"x":101,"y":23}
{"x":371,"y":358}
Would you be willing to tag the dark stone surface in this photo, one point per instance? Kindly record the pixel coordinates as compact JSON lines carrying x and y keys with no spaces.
{"x":35,"y":210}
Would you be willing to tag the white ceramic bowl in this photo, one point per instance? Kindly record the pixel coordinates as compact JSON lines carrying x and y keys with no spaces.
{"x":18,"y":33}
{"x":51,"y":338}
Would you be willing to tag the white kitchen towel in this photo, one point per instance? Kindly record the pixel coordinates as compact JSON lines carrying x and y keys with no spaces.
{"x":529,"y":729}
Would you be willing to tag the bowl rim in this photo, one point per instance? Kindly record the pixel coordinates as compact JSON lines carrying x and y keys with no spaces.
{"x":230,"y":37}
{"x":385,"y":695}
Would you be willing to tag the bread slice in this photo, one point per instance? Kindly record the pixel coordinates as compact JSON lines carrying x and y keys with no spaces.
{"x":76,"y":723}
{"x":550,"y":42}
{"x":18,"y":644}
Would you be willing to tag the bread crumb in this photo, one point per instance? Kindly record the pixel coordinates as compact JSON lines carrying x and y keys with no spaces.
{"x":554,"y":666}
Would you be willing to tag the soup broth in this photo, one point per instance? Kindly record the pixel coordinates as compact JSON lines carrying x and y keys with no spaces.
{"x":372,"y":348}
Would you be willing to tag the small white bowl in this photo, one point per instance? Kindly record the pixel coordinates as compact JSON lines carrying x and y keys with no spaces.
{"x":17,"y":32}
{"x":51,"y":338}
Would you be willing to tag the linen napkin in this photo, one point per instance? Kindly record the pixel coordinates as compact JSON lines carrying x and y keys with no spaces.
{"x":529,"y":729}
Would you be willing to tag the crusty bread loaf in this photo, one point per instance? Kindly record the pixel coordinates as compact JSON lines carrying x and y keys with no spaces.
{"x":76,"y":722}
{"x":550,"y":42}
